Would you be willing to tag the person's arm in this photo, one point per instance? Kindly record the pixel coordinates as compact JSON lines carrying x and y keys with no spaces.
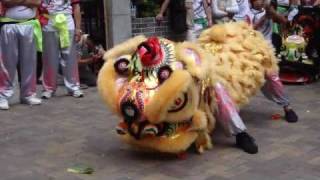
{"x":272,"y":13}
{"x":233,"y":8}
{"x":77,"y":20}
{"x":85,"y":60}
{"x":91,"y":59}
{"x":29,"y":3}
{"x":294,"y":2}
{"x":218,"y":13}
{"x":208,"y":11}
{"x":163,"y":9}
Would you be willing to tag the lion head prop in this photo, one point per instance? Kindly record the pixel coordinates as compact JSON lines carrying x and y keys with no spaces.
{"x":163,"y":91}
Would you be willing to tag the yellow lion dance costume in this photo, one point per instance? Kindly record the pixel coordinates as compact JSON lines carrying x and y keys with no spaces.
{"x":162,"y":90}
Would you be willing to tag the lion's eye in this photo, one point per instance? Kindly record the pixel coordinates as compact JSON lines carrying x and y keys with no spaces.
{"x":179,"y":103}
{"x":164,"y":73}
{"x":121,"y":66}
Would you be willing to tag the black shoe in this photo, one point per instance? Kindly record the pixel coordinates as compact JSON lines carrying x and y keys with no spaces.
{"x":290,"y":116}
{"x":245,"y":142}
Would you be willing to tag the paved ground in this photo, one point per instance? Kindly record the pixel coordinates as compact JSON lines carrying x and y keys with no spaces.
{"x":40,"y":143}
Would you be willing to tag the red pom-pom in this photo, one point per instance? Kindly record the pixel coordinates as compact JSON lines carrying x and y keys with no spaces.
{"x":150,"y":52}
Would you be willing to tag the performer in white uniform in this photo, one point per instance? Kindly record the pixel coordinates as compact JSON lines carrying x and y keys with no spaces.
{"x":59,"y":47}
{"x":18,"y":35}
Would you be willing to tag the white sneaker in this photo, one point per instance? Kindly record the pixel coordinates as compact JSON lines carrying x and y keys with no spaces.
{"x":279,"y":56}
{"x":47,"y":94}
{"x":304,"y":56}
{"x":31,"y":100}
{"x":76,"y":94}
{"x":4,"y":104}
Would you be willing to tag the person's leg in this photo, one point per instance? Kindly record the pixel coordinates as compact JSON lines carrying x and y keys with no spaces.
{"x":86,"y":75}
{"x":8,"y":63}
{"x":228,"y":116}
{"x":191,"y":35}
{"x":39,"y":67}
{"x":277,"y":42}
{"x":28,"y":60}
{"x":273,"y":90}
{"x":50,"y":59}
{"x":70,"y":68}
{"x":82,"y":76}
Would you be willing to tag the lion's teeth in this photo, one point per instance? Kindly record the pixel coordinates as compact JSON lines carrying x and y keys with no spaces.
{"x":150,"y":130}
{"x":120,"y":130}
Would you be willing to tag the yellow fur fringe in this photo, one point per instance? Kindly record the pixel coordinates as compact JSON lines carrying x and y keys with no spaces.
{"x":243,"y":58}
{"x":198,"y":71}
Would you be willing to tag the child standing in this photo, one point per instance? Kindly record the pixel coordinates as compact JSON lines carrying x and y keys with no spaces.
{"x":60,"y":34}
{"x":262,"y":15}
{"x":198,"y":18}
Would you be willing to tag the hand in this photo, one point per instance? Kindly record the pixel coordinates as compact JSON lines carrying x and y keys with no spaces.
{"x":159,"y":17}
{"x":101,"y":52}
{"x":78,"y":35}
{"x":288,"y":24}
{"x":96,"y":58}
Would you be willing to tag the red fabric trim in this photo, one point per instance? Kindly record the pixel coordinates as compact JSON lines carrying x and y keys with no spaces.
{"x":75,"y":2}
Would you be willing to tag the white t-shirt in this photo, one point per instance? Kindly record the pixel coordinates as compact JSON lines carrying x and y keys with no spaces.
{"x":59,"y":7}
{"x":198,"y":9}
{"x":244,"y":10}
{"x":265,"y":28}
{"x":283,"y":2}
{"x":195,"y":13}
{"x":20,"y":13}
{"x":222,"y":8}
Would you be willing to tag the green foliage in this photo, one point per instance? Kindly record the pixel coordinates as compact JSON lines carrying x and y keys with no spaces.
{"x":148,"y":8}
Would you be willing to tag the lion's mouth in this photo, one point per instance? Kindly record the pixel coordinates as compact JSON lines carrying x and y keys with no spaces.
{"x":137,"y":125}
{"x":146,"y":129}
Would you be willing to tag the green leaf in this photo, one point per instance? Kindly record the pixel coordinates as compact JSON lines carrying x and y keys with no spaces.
{"x":81,"y":169}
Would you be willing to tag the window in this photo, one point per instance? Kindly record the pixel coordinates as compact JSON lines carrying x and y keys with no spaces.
{"x":147,"y":8}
